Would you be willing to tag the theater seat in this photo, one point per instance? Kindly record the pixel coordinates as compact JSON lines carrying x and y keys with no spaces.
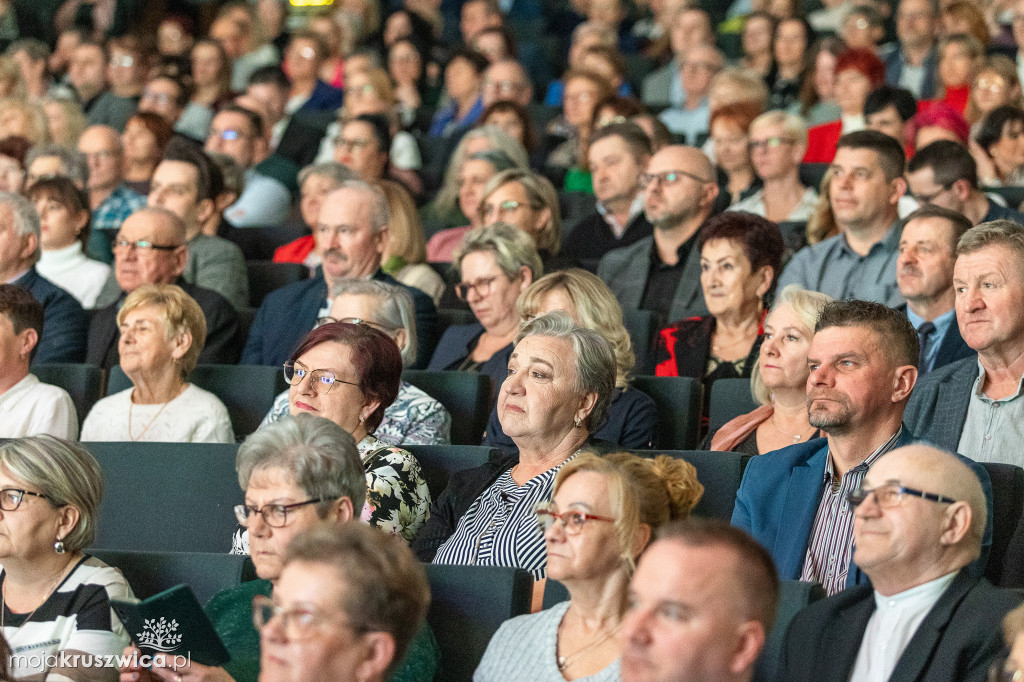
{"x":793,"y":596}
{"x":439,"y":462}
{"x":678,"y":400}
{"x":84,"y":383}
{"x":466,"y":396}
{"x":150,"y":573}
{"x":1007,"y":507}
{"x":247,"y":391}
{"x":729,"y":399}
{"x":719,"y":472}
{"x":467,"y":605}
{"x":167,"y":497}
{"x":266,"y":276}
{"x":642,"y":326}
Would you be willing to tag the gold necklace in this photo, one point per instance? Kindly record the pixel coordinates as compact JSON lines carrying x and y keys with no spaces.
{"x":565,"y":661}
{"x":139,"y":437}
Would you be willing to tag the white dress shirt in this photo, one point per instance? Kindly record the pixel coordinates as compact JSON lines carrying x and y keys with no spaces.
{"x":32,"y":408}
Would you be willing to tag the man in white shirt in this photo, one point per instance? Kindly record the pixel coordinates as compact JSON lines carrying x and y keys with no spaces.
{"x":27,"y":407}
{"x":919,"y":521}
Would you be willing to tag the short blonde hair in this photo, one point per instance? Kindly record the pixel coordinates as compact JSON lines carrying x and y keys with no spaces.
{"x":748,"y":81}
{"x":405,"y":232}
{"x":512,"y":249}
{"x":181,"y":314}
{"x":542,"y":194}
{"x":791,"y":123}
{"x":808,"y":306}
{"x":75,"y":122}
{"x":39,"y":128}
{"x":644,"y":491}
{"x":596,"y":308}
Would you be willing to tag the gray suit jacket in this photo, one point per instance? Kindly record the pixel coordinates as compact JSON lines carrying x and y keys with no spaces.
{"x":937,"y":408}
{"x":658,"y":84}
{"x":218,"y":265}
{"x":625,"y":272}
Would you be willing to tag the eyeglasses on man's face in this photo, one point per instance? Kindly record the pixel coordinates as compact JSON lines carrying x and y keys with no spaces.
{"x":355,"y":144}
{"x":299,"y":622}
{"x":322,"y":380}
{"x":930,"y":198}
{"x":10,"y":498}
{"x":274,"y":515}
{"x":890,"y":494}
{"x":572,"y":521}
{"x":668,"y":178}
{"x":142,"y":245}
{"x":769,"y":143}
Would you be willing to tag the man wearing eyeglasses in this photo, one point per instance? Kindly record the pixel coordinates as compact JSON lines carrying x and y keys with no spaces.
{"x":150,"y":248}
{"x":863,"y":367}
{"x":507,"y":81}
{"x":919,"y":520}
{"x":661,"y":272}
{"x":110,"y":199}
{"x":945,"y":174}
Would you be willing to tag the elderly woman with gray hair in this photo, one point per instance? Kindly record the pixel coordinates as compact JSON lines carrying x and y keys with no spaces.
{"x":56,"y":598}
{"x":414,"y":418}
{"x":296,"y":473}
{"x":560,"y":381}
{"x":495,"y":264}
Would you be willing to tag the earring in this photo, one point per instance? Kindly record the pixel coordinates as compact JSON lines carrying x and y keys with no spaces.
{"x":361,"y":419}
{"x":58,"y":546}
{"x":578,"y":422}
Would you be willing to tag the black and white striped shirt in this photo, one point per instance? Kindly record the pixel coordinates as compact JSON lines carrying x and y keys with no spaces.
{"x":500,"y":528}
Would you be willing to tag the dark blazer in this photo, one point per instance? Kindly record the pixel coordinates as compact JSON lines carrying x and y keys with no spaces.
{"x":779,"y":496}
{"x":288,"y":313}
{"x":323,"y":98}
{"x":223,"y":335}
{"x":592,"y":238}
{"x":957,"y":640}
{"x":952,"y":348}
{"x":65,"y":323}
{"x":631,"y":422}
{"x":683,"y":348}
{"x":625,"y":271}
{"x":937,"y":408}
{"x":457,"y":344}
{"x":894,"y":69}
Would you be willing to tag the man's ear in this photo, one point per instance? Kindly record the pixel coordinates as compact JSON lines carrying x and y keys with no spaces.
{"x":205,"y":209}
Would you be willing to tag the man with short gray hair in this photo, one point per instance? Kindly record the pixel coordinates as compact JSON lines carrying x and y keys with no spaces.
{"x":65,"y":323}
{"x":351,"y":234}
{"x":49,"y":160}
{"x":975,"y":407}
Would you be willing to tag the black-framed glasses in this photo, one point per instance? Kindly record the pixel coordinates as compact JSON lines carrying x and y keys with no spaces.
{"x":1005,"y":669}
{"x":143,"y":245}
{"x":482,"y":287}
{"x":889,"y":495}
{"x":929,"y":198}
{"x":275,"y":515}
{"x":669,"y":178}
{"x":299,"y":622}
{"x":353,"y":145}
{"x":10,"y":498}
{"x":572,"y":521}
{"x":770,"y":142}
{"x":322,"y":380}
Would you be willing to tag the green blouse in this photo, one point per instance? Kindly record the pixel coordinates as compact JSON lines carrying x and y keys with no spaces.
{"x":230,"y":611}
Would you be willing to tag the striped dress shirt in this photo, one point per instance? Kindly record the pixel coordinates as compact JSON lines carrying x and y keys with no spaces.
{"x":831,"y":544}
{"x":500,"y":528}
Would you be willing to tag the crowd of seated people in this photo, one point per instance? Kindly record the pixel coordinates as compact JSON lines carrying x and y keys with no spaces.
{"x":592,"y":205}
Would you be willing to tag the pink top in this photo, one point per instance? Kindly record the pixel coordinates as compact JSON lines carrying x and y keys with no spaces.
{"x":443,"y":244}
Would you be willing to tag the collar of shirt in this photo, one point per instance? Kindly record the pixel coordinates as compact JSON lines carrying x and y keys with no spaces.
{"x":941,"y":322}
{"x":885,"y":447}
{"x":919,"y":598}
{"x":18,"y":276}
{"x":890,"y":242}
{"x":682,"y":252}
{"x":980,"y":382}
{"x":634,"y":210}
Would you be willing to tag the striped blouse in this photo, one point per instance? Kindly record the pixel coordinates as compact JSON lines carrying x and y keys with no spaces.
{"x":500,"y":528}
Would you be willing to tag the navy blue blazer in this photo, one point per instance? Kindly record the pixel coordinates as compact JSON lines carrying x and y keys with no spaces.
{"x":952,"y":348}
{"x":894,"y":69}
{"x":779,"y":496}
{"x":289,"y":313}
{"x":65,"y":323}
{"x":455,"y":346}
{"x":323,"y":98}
{"x":631,"y":422}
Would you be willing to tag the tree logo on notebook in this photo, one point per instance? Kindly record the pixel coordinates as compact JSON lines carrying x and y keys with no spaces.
{"x":159,"y":634}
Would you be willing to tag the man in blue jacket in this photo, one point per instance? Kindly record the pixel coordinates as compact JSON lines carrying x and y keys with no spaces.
{"x":863,"y":361}
{"x":351,"y":235}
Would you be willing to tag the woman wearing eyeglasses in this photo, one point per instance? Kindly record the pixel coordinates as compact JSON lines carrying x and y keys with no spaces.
{"x":496,"y":264}
{"x":603,"y":514}
{"x":414,"y":418}
{"x":163,"y":331}
{"x":298,"y":473}
{"x":56,"y":599}
{"x":350,"y":373}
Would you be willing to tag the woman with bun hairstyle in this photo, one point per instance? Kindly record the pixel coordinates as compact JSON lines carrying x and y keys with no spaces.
{"x":603,"y":514}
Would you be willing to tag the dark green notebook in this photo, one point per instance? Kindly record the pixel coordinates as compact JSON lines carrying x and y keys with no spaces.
{"x":172,"y":623}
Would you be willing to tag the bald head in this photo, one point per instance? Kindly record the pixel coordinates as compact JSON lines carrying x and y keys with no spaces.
{"x":905,"y":540}
{"x":686,"y":158}
{"x":682,"y":192}
{"x":506,"y":81}
{"x":101,"y":146}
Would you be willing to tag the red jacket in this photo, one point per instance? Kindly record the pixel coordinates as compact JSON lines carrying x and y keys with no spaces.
{"x":822,"y":141}
{"x":295,"y":251}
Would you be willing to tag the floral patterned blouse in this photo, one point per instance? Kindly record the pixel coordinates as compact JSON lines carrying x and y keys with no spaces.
{"x":397,"y":498}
